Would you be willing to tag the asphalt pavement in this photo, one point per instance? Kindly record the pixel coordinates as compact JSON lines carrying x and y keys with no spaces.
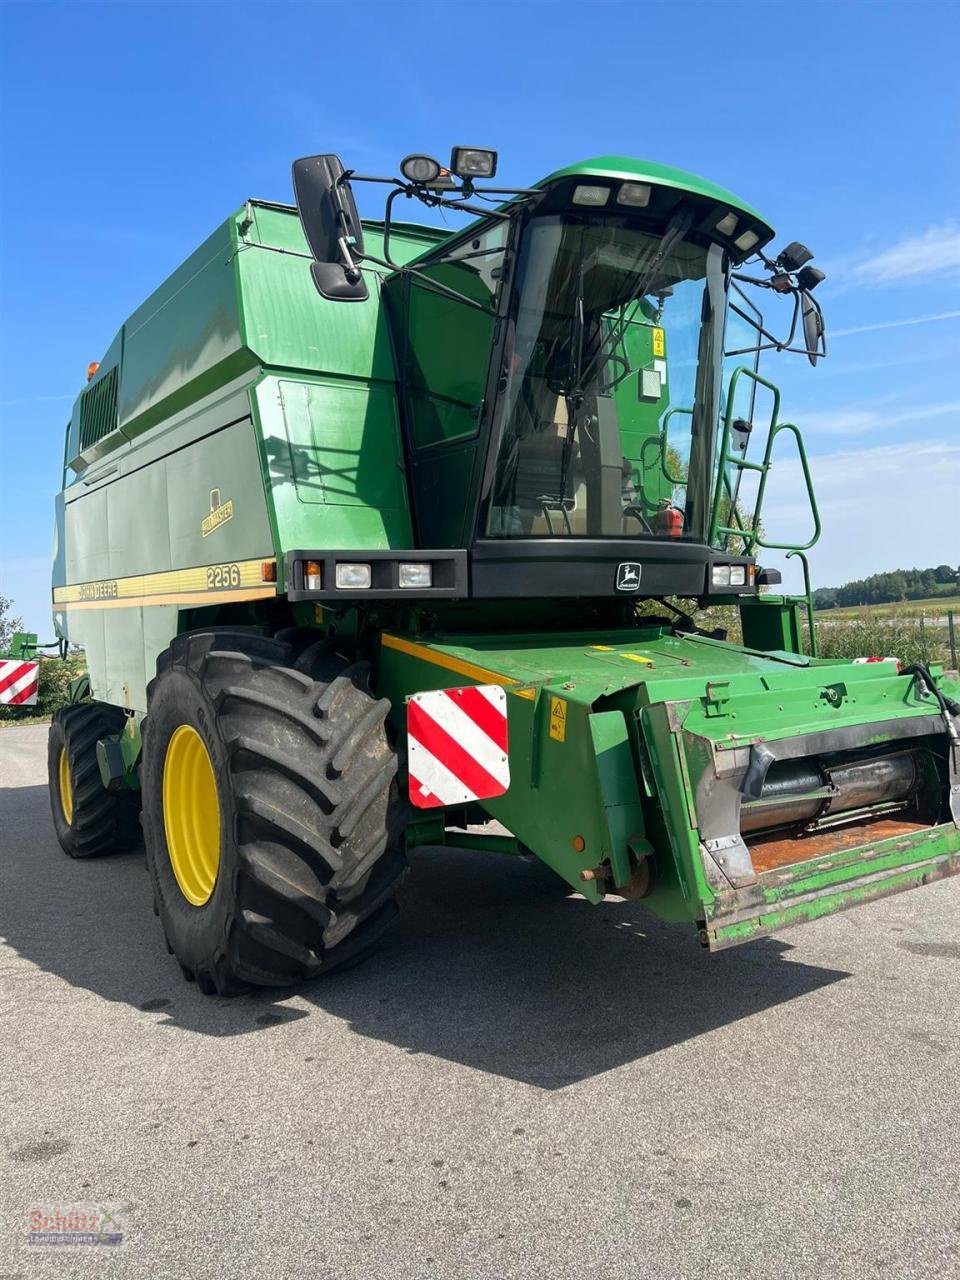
{"x":519,"y":1085}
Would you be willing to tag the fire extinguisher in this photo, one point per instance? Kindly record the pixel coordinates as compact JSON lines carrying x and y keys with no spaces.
{"x":668,"y":521}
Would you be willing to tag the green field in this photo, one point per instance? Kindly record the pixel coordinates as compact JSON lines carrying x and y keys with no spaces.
{"x":932,"y":606}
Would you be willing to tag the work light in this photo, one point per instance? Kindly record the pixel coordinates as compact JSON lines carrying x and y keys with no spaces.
{"x":471,"y":162}
{"x":593,"y":196}
{"x":727,"y":224}
{"x":420,"y":169}
{"x":635,"y":194}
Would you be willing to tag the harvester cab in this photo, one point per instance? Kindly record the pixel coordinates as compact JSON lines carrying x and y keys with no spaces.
{"x":545,"y":353}
{"x":372,"y":530}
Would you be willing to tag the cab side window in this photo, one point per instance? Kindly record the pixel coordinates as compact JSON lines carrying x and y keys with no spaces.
{"x":444,"y":342}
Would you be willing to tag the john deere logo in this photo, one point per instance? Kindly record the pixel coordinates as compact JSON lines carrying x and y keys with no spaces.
{"x":628,"y":576}
{"x":220,"y":513}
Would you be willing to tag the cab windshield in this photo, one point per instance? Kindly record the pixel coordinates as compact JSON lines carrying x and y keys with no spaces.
{"x":610,"y":383}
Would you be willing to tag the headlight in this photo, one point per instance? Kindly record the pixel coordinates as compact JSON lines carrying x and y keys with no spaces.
{"x":415,"y":575}
{"x":728,"y":575}
{"x":353,"y":577}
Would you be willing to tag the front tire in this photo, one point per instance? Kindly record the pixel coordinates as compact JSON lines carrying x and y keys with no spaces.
{"x":268,"y":796}
{"x":88,"y":819}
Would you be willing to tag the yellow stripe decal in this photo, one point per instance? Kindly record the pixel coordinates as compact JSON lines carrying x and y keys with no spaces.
{"x":457,"y":665}
{"x":204,"y":584}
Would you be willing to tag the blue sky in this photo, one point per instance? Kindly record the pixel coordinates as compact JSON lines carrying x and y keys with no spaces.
{"x":127,"y":132}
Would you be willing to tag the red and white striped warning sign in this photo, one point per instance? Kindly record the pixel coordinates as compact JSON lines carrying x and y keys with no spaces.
{"x":457,"y":745}
{"x":18,"y":682}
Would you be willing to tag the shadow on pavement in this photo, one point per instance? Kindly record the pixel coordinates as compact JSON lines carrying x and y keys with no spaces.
{"x":491,"y":966}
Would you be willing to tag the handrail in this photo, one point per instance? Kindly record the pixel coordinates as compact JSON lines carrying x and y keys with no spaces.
{"x":808,"y":596}
{"x":663,"y":442}
{"x":725,"y":458}
{"x":752,"y":538}
{"x":808,"y":481}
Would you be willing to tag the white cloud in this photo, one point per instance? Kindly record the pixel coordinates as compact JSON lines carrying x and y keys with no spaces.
{"x":847,"y":422}
{"x":935,"y":252}
{"x":881,"y":508}
{"x":893,"y":324}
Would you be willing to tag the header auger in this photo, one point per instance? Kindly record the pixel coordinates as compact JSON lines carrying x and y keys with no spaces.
{"x":371,"y":530}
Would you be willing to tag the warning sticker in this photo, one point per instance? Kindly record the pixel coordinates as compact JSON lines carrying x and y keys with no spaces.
{"x":558,"y":719}
{"x":659,"y":343}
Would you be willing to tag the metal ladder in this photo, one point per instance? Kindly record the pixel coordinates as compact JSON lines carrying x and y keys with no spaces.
{"x":751,"y":536}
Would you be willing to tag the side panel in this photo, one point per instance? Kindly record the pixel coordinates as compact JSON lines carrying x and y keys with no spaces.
{"x":333,"y":460}
{"x":287,"y":324}
{"x":199,"y":510}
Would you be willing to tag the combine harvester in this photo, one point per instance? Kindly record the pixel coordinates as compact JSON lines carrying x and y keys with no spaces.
{"x":368,"y":529}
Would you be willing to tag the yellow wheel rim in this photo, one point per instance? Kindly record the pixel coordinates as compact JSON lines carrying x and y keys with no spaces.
{"x":66,"y":786}
{"x":191,"y":815}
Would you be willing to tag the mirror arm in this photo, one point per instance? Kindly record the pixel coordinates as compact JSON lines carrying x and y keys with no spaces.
{"x":387,"y":223}
{"x":350,"y":268}
{"x":351,"y":260}
{"x":351,"y":175}
{"x":441,"y":203}
{"x":754,"y":280}
{"x":773,"y":343}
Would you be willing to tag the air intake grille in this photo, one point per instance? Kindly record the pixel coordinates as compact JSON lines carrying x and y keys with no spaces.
{"x":98,"y":409}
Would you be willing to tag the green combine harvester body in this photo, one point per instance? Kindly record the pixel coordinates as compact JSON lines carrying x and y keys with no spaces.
{"x":333,"y":477}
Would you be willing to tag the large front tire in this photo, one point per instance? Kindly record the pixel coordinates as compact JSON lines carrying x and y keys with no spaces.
{"x":268,"y":794}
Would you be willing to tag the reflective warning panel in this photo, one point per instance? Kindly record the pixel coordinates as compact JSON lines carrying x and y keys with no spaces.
{"x":457,"y":746}
{"x":19,"y":682}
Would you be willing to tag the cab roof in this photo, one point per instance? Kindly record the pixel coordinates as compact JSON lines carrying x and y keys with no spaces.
{"x":629,"y":169}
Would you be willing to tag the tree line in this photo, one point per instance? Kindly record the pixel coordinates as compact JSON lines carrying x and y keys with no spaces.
{"x":890,"y":588}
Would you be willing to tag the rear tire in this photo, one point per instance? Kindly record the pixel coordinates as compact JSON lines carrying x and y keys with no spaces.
{"x":307,"y":865}
{"x":88,"y":819}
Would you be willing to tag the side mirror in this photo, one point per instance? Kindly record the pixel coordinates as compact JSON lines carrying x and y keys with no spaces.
{"x":331,"y":224}
{"x":813,"y":327}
